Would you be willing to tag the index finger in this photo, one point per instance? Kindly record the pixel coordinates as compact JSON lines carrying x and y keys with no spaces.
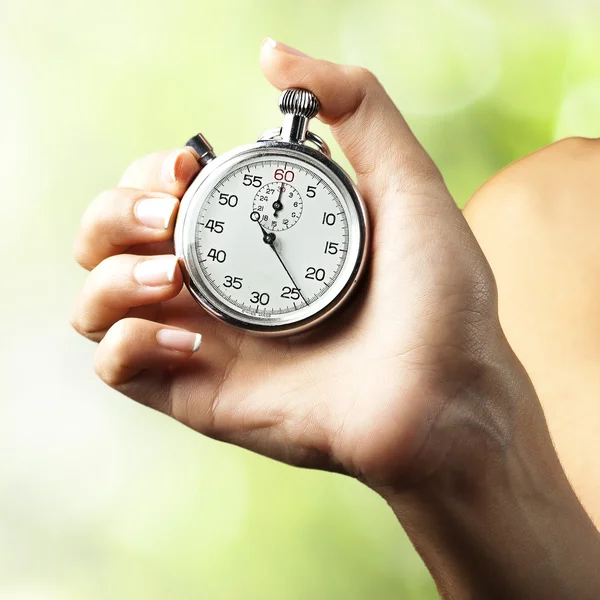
{"x":170,"y":172}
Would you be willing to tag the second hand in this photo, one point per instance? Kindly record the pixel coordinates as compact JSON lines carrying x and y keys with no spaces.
{"x":269,"y":238}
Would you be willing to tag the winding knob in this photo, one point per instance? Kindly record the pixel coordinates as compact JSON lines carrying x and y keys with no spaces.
{"x":297,"y":101}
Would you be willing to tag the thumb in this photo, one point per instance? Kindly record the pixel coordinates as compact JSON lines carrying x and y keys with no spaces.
{"x":369,"y":128}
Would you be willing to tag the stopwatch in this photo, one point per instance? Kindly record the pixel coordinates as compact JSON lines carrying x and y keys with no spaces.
{"x":272,"y":237}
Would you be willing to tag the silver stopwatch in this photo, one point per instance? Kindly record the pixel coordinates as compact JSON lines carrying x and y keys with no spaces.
{"x":272,"y":236}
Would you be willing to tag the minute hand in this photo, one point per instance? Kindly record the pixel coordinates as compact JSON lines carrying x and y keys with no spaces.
{"x":269,"y":238}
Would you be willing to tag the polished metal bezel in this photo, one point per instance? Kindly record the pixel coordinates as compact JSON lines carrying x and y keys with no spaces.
{"x":185,"y":229}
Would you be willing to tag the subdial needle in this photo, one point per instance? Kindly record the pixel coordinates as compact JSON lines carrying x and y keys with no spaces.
{"x":277,"y":205}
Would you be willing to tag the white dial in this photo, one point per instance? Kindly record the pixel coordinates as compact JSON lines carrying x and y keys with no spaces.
{"x":271,"y":237}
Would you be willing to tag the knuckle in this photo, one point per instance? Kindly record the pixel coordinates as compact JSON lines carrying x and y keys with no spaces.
{"x":82,"y":325}
{"x":97,"y":285}
{"x":100,"y":279}
{"x":112,"y":281}
{"x":96,"y":211}
{"x":97,"y":227}
{"x":93,"y":223}
{"x":105,"y":370}
{"x":76,"y":322}
{"x":363,"y":77}
{"x":110,"y":359}
{"x":108,"y":268}
{"x":119,"y":335}
{"x":80,"y":253}
{"x":101,"y":211}
{"x":360,"y":85}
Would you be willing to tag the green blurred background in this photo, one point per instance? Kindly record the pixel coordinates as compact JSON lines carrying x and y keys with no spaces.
{"x":103,"y":499}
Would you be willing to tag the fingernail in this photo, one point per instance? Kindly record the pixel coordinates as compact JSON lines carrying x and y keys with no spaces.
{"x":179,"y":166}
{"x":271,"y":43}
{"x":179,"y":340}
{"x":156,"y":213}
{"x":156,"y":271}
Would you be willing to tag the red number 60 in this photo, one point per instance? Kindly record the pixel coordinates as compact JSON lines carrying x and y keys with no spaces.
{"x":280,"y":174}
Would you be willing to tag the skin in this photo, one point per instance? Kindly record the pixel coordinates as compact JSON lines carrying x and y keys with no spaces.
{"x":537,"y":223}
{"x":414,"y":390}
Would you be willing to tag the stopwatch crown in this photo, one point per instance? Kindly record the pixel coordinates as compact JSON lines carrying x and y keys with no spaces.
{"x":297,"y":101}
{"x":298,"y":107}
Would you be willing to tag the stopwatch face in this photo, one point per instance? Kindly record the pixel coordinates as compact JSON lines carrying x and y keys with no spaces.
{"x":273,"y":239}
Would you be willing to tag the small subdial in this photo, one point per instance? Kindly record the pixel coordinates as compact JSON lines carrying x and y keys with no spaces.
{"x":277,"y":205}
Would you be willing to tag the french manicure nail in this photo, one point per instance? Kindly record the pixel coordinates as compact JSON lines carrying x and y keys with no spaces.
{"x":156,"y":213}
{"x":156,"y":271}
{"x":180,"y":166}
{"x":169,"y":167}
{"x":179,"y":340}
{"x":271,"y":43}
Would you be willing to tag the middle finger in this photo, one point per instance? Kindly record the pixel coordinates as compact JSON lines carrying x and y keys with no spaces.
{"x":120,"y":218}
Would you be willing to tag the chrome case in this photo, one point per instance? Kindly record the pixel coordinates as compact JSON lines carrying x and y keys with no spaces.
{"x":289,"y":141}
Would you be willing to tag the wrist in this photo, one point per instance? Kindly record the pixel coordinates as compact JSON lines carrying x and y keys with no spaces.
{"x":494,"y":516}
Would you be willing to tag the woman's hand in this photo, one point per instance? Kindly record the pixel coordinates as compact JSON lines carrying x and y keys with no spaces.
{"x":360,"y":395}
{"x":414,"y":389}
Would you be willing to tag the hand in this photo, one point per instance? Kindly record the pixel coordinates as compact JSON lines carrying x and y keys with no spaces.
{"x":414,"y":390}
{"x":360,"y":395}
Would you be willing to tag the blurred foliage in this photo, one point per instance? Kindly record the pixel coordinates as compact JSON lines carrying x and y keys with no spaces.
{"x":101,"y":498}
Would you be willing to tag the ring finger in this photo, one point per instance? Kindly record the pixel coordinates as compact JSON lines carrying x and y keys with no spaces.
{"x":121,"y":283}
